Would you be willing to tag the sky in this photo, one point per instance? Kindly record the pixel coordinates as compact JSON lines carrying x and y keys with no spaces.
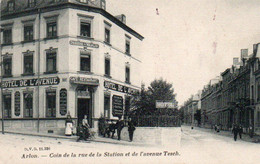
{"x":190,"y":41}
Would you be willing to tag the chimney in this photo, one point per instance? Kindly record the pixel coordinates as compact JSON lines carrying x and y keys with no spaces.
{"x":244,"y":53}
{"x":122,"y":18}
{"x":235,"y":61}
{"x":255,"y":48}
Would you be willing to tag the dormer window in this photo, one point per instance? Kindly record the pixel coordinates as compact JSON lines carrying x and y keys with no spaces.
{"x":10,"y":6}
{"x":31,"y":3}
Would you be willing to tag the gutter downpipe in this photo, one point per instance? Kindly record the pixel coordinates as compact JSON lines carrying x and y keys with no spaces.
{"x":38,"y":58}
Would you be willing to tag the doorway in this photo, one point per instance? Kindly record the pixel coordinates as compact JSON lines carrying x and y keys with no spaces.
{"x":84,"y":108}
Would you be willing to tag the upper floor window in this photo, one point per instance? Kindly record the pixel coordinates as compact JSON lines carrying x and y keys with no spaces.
{"x":103,"y":4}
{"x":51,"y":61}
{"x":127,"y":44}
{"x":28,"y":32}
{"x":10,"y":6}
{"x":107,"y":66}
{"x":85,"y":61}
{"x":127,"y":74}
{"x":107,"y":35}
{"x":127,"y":47}
{"x":51,"y":29}
{"x":31,"y":3}
{"x":7,"y":36}
{"x":28,"y":63}
{"x":85,"y":29}
{"x":7,"y":63}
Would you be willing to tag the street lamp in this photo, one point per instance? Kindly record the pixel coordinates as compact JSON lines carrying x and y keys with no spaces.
{"x":1,"y":62}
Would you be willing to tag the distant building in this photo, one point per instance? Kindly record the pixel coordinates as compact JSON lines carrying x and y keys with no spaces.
{"x":66,"y":56}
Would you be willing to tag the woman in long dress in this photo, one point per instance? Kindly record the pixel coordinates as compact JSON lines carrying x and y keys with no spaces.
{"x":69,"y":126}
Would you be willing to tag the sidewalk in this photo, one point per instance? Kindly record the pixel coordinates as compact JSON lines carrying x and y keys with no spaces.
{"x":74,"y":138}
{"x":245,"y":137}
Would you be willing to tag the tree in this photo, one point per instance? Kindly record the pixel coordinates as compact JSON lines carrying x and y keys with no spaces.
{"x":145,"y":102}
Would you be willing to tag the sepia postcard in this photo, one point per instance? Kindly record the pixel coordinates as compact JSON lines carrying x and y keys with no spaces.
{"x":129,"y":81}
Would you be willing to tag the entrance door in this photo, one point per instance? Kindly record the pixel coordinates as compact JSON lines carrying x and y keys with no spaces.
{"x":84,"y":108}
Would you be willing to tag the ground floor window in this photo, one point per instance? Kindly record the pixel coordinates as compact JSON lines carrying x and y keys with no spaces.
{"x":106,"y":106}
{"x":51,"y":103}
{"x":28,"y":104}
{"x":7,"y":105}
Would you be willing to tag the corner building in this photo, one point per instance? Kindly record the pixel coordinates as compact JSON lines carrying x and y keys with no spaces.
{"x":65,"y":56}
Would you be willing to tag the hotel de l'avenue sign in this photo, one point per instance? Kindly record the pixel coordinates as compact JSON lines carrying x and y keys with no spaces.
{"x":31,"y":82}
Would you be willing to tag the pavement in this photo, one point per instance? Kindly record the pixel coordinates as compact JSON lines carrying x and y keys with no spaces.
{"x":74,"y":138}
{"x":245,"y":137}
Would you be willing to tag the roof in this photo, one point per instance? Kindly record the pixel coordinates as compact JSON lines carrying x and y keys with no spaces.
{"x":21,"y":9}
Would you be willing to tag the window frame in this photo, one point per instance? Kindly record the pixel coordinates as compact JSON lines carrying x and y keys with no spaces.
{"x":107,"y":36}
{"x":127,"y":74}
{"x":9,"y":110}
{"x":50,"y":55}
{"x":31,"y":3}
{"x":85,"y":54}
{"x":8,"y":37}
{"x":53,"y":107}
{"x":51,"y":34}
{"x":107,"y":107}
{"x":31,"y":33}
{"x":30,"y":113}
{"x":85,"y":22}
{"x":109,"y":70}
{"x":11,"y":7}
{"x":28,"y":55}
{"x":9,"y":57}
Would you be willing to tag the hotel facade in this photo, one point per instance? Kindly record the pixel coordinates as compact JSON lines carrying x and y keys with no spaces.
{"x":65,"y":56}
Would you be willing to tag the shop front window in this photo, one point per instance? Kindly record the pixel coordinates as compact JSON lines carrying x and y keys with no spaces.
{"x":28,"y":105}
{"x":7,"y":105}
{"x":106,"y":106}
{"x":51,"y":104}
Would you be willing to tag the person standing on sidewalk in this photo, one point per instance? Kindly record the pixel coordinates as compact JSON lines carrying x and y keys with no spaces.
{"x":235,"y":131}
{"x":251,"y":131}
{"x":240,"y":131}
{"x":120,"y":126}
{"x":68,"y":125}
{"x":131,"y":129}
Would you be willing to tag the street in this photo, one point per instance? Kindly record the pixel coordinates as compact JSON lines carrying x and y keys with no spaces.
{"x":206,"y":146}
{"x":196,"y":146}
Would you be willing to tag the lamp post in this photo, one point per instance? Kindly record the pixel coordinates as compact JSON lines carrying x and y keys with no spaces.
{"x":1,"y":62}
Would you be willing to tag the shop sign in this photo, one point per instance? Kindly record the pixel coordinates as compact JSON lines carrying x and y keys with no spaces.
{"x":165,"y":104}
{"x":31,"y":82}
{"x":119,"y":88}
{"x":63,"y":101}
{"x":17,"y":102}
{"x":84,"y":81}
{"x":84,"y":44}
{"x":117,"y":105}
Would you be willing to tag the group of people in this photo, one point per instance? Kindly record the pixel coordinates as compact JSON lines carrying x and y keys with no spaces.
{"x":117,"y":128}
{"x":83,"y":130}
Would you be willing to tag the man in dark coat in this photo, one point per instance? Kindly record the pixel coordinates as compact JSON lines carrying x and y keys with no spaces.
{"x":131,"y":129}
{"x":240,"y":131}
{"x":120,"y":126}
{"x":235,"y":131}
